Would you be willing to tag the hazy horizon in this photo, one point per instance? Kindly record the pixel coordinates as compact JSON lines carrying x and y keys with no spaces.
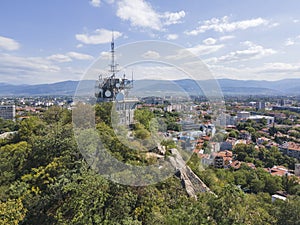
{"x":153,"y":80}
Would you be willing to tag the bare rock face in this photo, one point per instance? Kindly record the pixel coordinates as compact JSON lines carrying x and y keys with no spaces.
{"x":190,"y":181}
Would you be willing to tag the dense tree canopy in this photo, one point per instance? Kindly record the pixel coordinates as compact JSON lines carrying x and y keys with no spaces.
{"x":45,"y":180}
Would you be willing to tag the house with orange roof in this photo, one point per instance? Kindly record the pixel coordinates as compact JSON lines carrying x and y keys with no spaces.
{"x":222,"y":159}
{"x":291,"y":149}
{"x":278,"y":171}
{"x":236,"y":164}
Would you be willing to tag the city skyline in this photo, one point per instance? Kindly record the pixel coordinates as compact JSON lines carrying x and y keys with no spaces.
{"x":46,"y":42}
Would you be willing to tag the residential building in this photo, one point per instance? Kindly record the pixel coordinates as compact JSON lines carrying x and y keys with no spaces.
{"x":278,"y":197}
{"x":223,"y":159}
{"x":236,"y":164}
{"x":244,"y":135}
{"x":260,"y":105}
{"x":243,"y":115}
{"x":278,"y":171}
{"x":8,"y":112}
{"x":290,"y":108}
{"x":258,"y":118}
{"x":125,"y":109}
{"x":226,"y":120}
{"x":228,"y":144}
{"x":219,"y":162}
{"x":172,"y":108}
{"x":293,"y":150}
{"x":186,"y":125}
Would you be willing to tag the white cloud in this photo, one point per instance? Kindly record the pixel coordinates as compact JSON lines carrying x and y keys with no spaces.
{"x":224,"y":25}
{"x":292,"y":41}
{"x":141,"y":14}
{"x":26,"y":64}
{"x":80,"y":56}
{"x":198,"y":50}
{"x":210,"y":41}
{"x":205,"y":49}
{"x":151,"y":55}
{"x":253,"y":51}
{"x":99,"y":36}
{"x":172,"y":36}
{"x":289,"y":42}
{"x":226,"y":37}
{"x":270,"y":71}
{"x":8,"y":44}
{"x":157,"y":72}
{"x":279,"y":67}
{"x":173,"y":18}
{"x":59,"y":58}
{"x":274,"y":25}
{"x":35,"y":70}
{"x":95,"y":3}
{"x":105,"y":55}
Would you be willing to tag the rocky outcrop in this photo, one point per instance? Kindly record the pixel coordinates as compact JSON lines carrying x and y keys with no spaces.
{"x":190,"y":181}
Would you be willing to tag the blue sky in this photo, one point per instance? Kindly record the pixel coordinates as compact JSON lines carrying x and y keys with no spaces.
{"x":51,"y":41}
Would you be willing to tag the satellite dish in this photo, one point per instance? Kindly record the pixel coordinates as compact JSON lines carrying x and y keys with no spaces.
{"x":107,"y":93}
{"x":120,"y":97}
{"x":117,"y":85}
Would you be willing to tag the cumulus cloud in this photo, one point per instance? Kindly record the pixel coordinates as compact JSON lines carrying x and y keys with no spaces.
{"x":205,"y":49}
{"x":8,"y":44}
{"x":60,"y":58}
{"x":210,"y":41}
{"x":34,"y":70}
{"x":173,"y":18}
{"x":80,"y":56}
{"x":289,"y":42}
{"x":279,"y":67}
{"x":226,"y":37}
{"x":141,"y":14}
{"x":171,"y":36}
{"x":151,"y":55}
{"x":270,"y":71}
{"x":95,"y":3}
{"x":224,"y":25}
{"x":198,"y":50}
{"x":68,"y":57}
{"x":105,"y":55}
{"x":253,"y":51}
{"x":17,"y":64}
{"x":99,"y":36}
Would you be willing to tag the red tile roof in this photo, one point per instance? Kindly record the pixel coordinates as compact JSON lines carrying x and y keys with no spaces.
{"x":236,"y":164}
{"x":293,"y":146}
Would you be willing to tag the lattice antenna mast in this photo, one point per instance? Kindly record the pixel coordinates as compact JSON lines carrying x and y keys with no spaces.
{"x":113,"y":65}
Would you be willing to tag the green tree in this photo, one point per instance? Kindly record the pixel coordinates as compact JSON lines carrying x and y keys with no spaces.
{"x":31,"y":126}
{"x":85,"y":199}
{"x":233,"y":133}
{"x":12,"y":212}
{"x":144,"y":117}
{"x":13,"y":158}
{"x":288,"y":212}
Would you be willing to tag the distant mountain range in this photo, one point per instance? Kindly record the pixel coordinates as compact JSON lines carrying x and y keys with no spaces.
{"x":153,"y":87}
